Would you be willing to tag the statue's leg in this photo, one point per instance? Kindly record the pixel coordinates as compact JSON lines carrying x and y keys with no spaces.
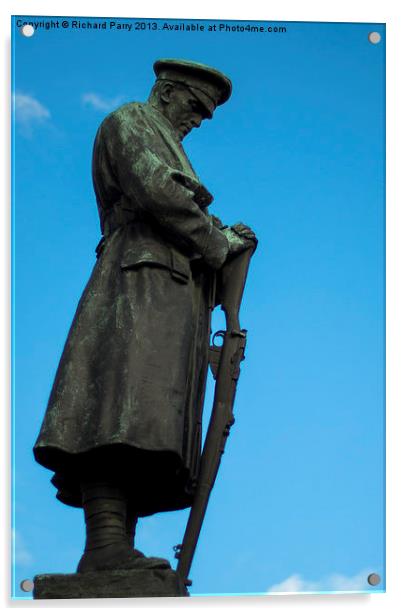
{"x":105,"y":510}
{"x":131,"y":525}
{"x":106,"y":547}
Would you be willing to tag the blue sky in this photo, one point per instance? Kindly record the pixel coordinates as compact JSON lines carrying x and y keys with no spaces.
{"x":298,"y":154}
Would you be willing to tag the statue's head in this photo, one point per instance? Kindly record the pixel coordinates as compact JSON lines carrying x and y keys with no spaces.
{"x":188,"y":92}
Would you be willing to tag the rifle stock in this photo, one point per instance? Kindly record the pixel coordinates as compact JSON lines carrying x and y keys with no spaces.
{"x":225,"y":365}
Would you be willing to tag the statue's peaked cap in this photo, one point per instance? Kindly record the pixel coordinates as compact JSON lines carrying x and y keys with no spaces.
{"x":210,"y":86}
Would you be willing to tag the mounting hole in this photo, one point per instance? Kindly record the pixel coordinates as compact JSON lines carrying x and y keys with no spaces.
{"x":27,"y":30}
{"x":374,"y":37}
{"x":374,"y":579}
{"x":27,"y":585}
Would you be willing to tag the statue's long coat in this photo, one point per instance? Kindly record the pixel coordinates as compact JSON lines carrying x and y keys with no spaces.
{"x":128,"y":394}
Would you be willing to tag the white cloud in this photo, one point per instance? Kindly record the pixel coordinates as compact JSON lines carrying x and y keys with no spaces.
{"x":28,"y":109}
{"x":335,"y":582}
{"x":21,"y":553}
{"x":100,"y":103}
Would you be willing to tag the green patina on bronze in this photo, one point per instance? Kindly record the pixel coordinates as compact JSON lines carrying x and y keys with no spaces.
{"x":128,"y":393}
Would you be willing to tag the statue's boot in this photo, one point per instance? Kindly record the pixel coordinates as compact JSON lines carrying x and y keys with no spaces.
{"x":131,"y":527}
{"x":107,"y":546}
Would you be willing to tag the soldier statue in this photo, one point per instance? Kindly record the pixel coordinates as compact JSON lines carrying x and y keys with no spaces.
{"x":122,"y":429}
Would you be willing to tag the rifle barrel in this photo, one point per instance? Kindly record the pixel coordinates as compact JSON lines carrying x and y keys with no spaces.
{"x":233,"y":276}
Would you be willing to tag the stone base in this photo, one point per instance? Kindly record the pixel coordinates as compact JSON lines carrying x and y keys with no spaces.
{"x":110,"y":584}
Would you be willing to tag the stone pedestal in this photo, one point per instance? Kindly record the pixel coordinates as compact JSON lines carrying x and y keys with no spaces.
{"x":110,"y":584}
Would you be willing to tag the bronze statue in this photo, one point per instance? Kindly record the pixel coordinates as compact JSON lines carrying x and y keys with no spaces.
{"x":122,"y":430}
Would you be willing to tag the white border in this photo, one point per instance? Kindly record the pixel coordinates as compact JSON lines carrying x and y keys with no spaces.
{"x":285,"y":10}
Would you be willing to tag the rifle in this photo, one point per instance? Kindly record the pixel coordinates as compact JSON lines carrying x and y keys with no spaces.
{"x":225,"y":365}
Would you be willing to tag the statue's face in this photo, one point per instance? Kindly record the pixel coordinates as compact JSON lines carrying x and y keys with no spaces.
{"x":183,"y":110}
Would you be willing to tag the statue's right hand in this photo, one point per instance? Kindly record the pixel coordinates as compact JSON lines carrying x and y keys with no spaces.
{"x":238,"y":243}
{"x":244,"y":230}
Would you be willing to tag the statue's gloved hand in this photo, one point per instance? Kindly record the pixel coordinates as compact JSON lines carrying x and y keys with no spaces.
{"x":240,"y":237}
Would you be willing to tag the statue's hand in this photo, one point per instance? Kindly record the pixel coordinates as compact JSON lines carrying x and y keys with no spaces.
{"x":244,"y":231}
{"x":240,"y":237}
